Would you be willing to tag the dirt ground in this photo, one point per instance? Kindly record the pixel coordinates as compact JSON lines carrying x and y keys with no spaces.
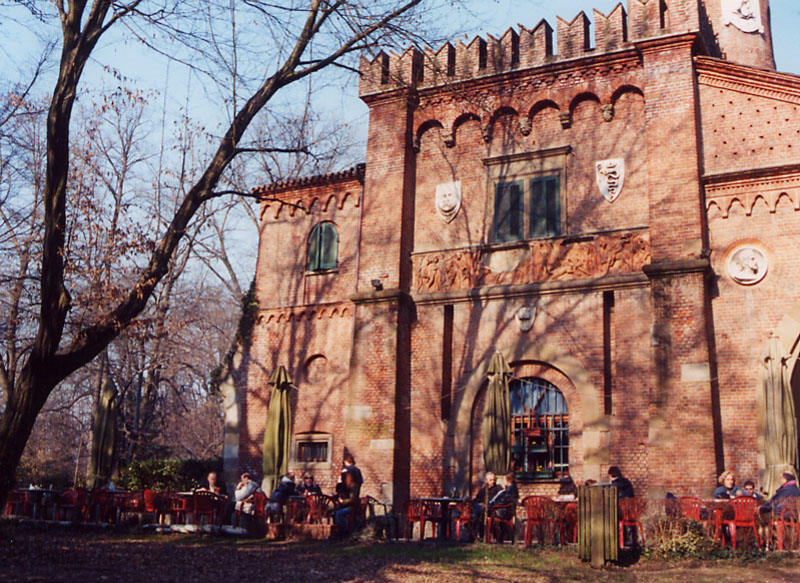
{"x":58,"y":555}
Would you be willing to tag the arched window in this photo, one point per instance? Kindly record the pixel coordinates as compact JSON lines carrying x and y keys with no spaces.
{"x":323,"y":247}
{"x":539,"y":430}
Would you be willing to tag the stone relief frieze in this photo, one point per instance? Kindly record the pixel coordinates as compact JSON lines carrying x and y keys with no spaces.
{"x":547,"y":260}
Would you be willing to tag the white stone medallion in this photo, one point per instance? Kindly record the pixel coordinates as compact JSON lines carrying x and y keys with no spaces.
{"x":525,"y":317}
{"x":610,"y":175}
{"x":747,"y":264}
{"x":743,"y":14}
{"x":448,"y":200}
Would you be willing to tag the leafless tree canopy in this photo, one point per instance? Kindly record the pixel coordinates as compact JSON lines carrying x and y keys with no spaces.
{"x":92,"y":247}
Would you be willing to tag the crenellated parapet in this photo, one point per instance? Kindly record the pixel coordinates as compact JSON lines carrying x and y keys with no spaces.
{"x":525,"y":49}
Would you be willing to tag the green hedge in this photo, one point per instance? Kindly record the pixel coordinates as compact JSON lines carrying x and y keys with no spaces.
{"x":169,"y":474}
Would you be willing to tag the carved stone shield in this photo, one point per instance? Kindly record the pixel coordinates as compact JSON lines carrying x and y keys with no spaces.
{"x":743,"y":14}
{"x":525,"y":317}
{"x":448,"y":200}
{"x":610,"y":176}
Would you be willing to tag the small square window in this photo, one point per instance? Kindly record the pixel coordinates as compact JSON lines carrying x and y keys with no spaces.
{"x":311,"y":450}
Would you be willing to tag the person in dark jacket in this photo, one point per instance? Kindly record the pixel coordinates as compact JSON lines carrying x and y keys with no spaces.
{"x":787,"y":489}
{"x":280,"y":495}
{"x":488,"y":490}
{"x":621,"y":483}
{"x":348,"y":501}
{"x":728,"y":488}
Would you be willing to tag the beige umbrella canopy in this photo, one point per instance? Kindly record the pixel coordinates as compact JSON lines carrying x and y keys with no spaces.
{"x":780,"y":438}
{"x":104,"y":434}
{"x":278,"y":430}
{"x":496,"y":427}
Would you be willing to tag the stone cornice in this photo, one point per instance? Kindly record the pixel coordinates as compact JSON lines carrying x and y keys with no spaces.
{"x":725,"y":75}
{"x":610,"y":282}
{"x":677,"y":267}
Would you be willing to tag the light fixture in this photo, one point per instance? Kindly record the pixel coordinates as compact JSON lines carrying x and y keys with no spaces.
{"x":377,"y":284}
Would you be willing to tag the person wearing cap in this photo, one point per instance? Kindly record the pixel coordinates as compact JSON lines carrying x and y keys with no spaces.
{"x":308,"y":486}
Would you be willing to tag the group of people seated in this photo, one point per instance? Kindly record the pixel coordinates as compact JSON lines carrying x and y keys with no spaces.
{"x":346,"y":499}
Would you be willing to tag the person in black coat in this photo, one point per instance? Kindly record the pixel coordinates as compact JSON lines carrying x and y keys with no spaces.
{"x":308,"y":486}
{"x":621,"y":483}
{"x":787,"y":489}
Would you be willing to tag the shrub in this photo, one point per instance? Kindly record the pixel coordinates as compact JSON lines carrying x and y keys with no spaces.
{"x":167,"y":474}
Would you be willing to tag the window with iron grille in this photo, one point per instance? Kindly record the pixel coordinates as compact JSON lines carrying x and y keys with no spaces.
{"x":323,"y":247}
{"x":312,"y":451}
{"x":539,"y":430}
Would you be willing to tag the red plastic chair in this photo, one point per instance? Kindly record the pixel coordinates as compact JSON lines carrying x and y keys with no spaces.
{"x":100,"y":507}
{"x":496,"y":521}
{"x":539,"y":511}
{"x":569,"y":524}
{"x":413,"y":514}
{"x":464,"y":509}
{"x":178,"y":507}
{"x":18,"y":503}
{"x":205,"y":505}
{"x":744,"y":515}
{"x":72,"y":501}
{"x":693,"y":509}
{"x":631,"y":510}
{"x":430,"y":512}
{"x":319,"y":509}
{"x":788,"y":519}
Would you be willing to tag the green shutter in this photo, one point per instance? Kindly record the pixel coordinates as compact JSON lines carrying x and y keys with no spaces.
{"x":313,"y":248}
{"x":329,"y":243}
{"x":508,"y":212}
{"x":545,"y":208}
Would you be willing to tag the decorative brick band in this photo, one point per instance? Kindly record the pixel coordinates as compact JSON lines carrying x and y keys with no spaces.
{"x":769,"y":185}
{"x":287,"y":315}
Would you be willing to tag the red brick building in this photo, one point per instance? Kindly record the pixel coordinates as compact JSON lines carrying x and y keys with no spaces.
{"x":617,"y":216}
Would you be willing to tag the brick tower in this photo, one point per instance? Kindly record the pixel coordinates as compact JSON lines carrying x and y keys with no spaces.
{"x":741,"y":31}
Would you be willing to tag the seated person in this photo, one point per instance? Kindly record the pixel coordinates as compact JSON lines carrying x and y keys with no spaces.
{"x":727,"y":486}
{"x":348,"y":501}
{"x":308,"y":486}
{"x":508,"y":498}
{"x":787,"y":489}
{"x":486,"y":492}
{"x":567,"y":490}
{"x":212,"y":484}
{"x":750,"y":490}
{"x":243,"y":494}
{"x":280,"y":495}
{"x":621,"y":483}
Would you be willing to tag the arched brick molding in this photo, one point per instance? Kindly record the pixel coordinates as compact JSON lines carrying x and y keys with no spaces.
{"x":583,"y":397}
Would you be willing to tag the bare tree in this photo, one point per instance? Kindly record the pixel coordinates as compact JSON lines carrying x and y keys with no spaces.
{"x":337,"y":28}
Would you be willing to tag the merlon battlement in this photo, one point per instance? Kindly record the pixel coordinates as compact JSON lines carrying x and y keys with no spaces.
{"x":524,"y":49}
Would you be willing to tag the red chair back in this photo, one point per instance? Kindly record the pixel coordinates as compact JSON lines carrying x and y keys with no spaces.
{"x":744,"y":509}
{"x":690,"y":507}
{"x":319,"y":508}
{"x":538,"y":508}
{"x":632,"y":509}
{"x":260,"y":503}
{"x":150,"y":501}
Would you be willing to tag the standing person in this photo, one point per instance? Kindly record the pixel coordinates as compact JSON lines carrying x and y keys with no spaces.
{"x":351,"y":468}
{"x":727,"y":487}
{"x":620,"y":482}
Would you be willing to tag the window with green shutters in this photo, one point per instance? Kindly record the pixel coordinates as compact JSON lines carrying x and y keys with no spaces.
{"x":527,"y":209}
{"x":323,"y":244}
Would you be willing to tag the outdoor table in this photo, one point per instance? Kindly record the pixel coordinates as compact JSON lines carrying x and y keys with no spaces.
{"x":444,"y":516}
{"x":42,"y":499}
{"x":716,"y":508}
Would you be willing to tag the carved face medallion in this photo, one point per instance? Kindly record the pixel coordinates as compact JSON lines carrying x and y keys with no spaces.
{"x":525,"y":317}
{"x":448,"y":200}
{"x":743,"y":14}
{"x":747,"y":265}
{"x":610,"y":176}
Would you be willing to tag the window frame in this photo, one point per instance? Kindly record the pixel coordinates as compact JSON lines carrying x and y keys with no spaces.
{"x":315,"y":247}
{"x":526,"y":170}
{"x":546,"y":433}
{"x":310,"y":437}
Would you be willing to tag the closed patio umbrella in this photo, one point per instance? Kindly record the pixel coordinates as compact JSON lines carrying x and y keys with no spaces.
{"x":278,"y":431}
{"x":104,"y":434}
{"x":780,"y":439}
{"x":496,"y":427}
